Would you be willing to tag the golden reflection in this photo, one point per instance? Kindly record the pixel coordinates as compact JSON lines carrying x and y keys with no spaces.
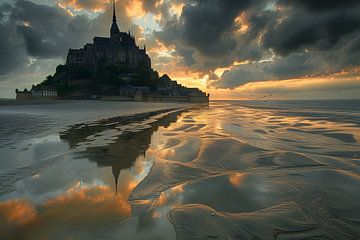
{"x":236,"y":179}
{"x":162,"y":199}
{"x":16,"y":212}
{"x":172,"y":194}
{"x":156,"y":214}
{"x":101,"y":197}
{"x":80,"y":208}
{"x":167,"y":153}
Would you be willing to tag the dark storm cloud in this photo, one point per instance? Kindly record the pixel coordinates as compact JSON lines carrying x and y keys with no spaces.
{"x":30,"y":30}
{"x":206,"y":34}
{"x":50,"y":30}
{"x":322,"y":5}
{"x":307,"y":30}
{"x":305,"y":38}
{"x":206,"y":26}
{"x":12,"y":51}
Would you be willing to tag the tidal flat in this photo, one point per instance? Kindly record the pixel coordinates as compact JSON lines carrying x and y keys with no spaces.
{"x":229,"y":170}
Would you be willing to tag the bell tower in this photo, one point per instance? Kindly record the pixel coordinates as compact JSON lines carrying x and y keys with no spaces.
{"x":114,"y":30}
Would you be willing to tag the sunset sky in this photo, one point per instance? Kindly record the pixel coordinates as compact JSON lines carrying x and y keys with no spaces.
{"x":234,"y":49}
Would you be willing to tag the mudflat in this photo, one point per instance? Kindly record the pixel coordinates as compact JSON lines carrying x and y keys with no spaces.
{"x":230,"y":170}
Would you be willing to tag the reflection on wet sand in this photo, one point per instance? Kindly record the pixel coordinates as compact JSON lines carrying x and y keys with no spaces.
{"x":78,"y":213}
{"x":89,"y":204}
{"x":239,"y":172}
{"x":119,"y":149}
{"x":228,"y":171}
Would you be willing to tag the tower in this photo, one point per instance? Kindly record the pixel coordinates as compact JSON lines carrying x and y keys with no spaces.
{"x":116,"y":169}
{"x":114,"y":30}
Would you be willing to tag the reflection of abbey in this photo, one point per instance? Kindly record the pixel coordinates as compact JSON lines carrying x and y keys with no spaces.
{"x":120,"y":48}
{"x":122,"y":152}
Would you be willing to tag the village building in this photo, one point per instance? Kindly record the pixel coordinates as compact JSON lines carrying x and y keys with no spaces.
{"x":37,"y":92}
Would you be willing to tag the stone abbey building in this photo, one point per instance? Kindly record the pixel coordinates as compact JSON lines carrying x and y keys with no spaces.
{"x":86,"y":74}
{"x":119,"y":49}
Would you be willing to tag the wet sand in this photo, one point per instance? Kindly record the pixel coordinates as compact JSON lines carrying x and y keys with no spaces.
{"x":233,"y":170}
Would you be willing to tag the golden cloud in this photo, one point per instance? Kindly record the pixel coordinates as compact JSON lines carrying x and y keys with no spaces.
{"x":90,"y":5}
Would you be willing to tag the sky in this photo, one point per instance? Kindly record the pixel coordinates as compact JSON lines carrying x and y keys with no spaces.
{"x":233,"y":49}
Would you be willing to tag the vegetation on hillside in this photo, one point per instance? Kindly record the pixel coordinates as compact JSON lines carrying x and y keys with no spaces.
{"x":71,"y":79}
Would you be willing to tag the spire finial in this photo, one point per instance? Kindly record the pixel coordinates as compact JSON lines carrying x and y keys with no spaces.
{"x":114,"y":13}
{"x":116,"y":172}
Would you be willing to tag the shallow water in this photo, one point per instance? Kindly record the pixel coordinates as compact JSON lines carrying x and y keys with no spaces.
{"x":233,"y":170}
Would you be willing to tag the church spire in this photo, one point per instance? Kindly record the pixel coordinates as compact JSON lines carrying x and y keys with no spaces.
{"x":114,"y":30}
{"x":114,"y":12}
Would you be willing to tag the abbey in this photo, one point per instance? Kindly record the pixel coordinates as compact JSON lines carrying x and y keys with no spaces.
{"x":119,"y":49}
{"x":111,"y":68}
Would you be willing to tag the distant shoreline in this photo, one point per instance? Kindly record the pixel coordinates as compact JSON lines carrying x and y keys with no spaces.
{"x":58,"y":101}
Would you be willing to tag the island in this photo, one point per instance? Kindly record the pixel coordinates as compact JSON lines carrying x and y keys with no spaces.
{"x":111,"y":68}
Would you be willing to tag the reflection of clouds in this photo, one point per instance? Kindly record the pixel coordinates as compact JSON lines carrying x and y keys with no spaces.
{"x":77,"y":200}
{"x":16,"y":212}
{"x":88,"y":208}
{"x":171,"y":196}
{"x":236,"y":179}
{"x":130,"y":138}
{"x":167,"y":200}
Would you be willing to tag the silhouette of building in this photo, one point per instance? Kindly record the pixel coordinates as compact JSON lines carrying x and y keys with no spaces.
{"x":111,"y":68}
{"x":119,"y":49}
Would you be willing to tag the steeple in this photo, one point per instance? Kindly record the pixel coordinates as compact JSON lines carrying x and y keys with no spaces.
{"x":116,"y":172}
{"x":114,"y":12}
{"x":114,"y":27}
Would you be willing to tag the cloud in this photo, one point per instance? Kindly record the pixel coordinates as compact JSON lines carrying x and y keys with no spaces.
{"x":278,"y":68}
{"x":30,"y":30}
{"x":302,"y":38}
{"x":205,"y":33}
{"x":322,"y":5}
{"x":312,"y":30}
{"x":273,"y":40}
{"x":12,"y":53}
{"x":89,"y":5}
{"x":240,"y":75}
{"x":341,"y":85}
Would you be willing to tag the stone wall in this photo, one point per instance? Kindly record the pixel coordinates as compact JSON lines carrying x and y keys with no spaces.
{"x":156,"y":98}
{"x":23,"y":96}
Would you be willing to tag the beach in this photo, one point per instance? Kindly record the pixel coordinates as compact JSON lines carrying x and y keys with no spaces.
{"x":227,"y":170}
